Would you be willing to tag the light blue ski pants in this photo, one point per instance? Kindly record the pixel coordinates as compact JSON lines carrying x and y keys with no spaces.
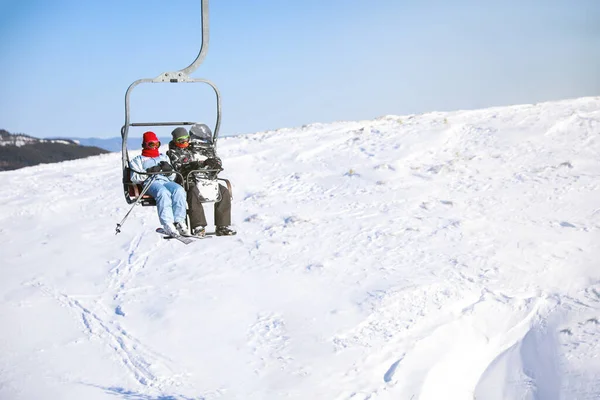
{"x":170,"y":201}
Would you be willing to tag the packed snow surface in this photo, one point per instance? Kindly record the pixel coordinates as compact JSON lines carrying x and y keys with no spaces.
{"x":427,"y":257}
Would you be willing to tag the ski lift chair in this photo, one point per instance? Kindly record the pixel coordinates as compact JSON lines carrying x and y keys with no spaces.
{"x":133,"y":192}
{"x":206,"y":145}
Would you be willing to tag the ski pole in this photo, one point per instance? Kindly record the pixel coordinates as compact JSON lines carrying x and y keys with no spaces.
{"x":120,"y":224}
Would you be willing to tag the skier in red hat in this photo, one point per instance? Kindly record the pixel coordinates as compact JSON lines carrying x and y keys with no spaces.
{"x":170,"y":196}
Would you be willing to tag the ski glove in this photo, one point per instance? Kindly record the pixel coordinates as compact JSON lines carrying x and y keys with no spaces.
{"x":154,"y":169}
{"x":213,"y":163}
{"x":195,"y":165}
{"x":165,"y":166}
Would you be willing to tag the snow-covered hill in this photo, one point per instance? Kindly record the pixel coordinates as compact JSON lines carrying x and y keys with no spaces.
{"x":436,"y":256}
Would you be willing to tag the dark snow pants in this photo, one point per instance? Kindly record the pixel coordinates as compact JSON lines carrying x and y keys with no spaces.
{"x":196,"y":210}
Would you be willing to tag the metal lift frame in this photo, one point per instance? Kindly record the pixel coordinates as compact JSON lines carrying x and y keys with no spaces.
{"x":180,"y":76}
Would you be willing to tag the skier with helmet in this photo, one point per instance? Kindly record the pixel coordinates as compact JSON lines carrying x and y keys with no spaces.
{"x":197,"y":153}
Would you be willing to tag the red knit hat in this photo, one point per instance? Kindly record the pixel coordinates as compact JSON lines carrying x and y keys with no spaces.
{"x":150,"y":137}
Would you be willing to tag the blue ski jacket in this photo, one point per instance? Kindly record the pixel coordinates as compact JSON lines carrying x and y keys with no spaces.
{"x":142,"y":163}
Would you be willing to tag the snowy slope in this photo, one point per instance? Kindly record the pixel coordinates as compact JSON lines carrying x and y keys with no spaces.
{"x":436,"y":256}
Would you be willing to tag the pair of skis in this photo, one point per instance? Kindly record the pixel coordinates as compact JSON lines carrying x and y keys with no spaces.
{"x":187,"y":239}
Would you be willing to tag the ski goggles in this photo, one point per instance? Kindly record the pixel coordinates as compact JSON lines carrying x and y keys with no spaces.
{"x":152,"y":145}
{"x":183,"y":139}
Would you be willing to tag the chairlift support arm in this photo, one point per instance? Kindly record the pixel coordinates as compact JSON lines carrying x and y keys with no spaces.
{"x":180,"y":76}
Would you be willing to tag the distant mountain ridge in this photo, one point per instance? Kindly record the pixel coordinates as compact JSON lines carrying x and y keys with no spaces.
{"x":113,"y":144}
{"x":20,"y":139}
{"x":20,"y":150}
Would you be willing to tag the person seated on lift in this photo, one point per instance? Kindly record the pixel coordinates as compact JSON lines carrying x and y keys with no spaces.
{"x":169,"y":196}
{"x":197,"y":153}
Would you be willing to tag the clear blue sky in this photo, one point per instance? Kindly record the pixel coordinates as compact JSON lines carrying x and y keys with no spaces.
{"x":65,"y":64}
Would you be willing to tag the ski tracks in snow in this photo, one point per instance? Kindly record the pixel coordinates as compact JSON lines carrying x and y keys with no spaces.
{"x":148,"y":367}
{"x":126,"y":269}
